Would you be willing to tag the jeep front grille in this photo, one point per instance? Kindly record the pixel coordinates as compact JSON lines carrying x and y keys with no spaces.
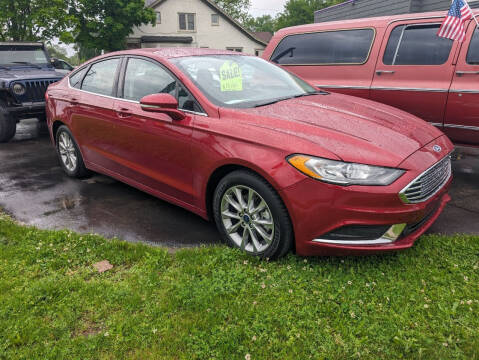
{"x":34,"y":90}
{"x":428,"y":183}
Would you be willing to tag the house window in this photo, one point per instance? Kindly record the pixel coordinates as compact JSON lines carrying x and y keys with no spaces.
{"x":215,"y":19}
{"x":187,"y":21}
{"x":158,"y":17}
{"x":235,"y":49}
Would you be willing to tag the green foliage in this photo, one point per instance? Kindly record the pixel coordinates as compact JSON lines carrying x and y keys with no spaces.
{"x":237,"y":9}
{"x":261,"y":23}
{"x":105,"y":24}
{"x":217,"y":303}
{"x":58,"y":52}
{"x":33,"y":20}
{"x":299,"y":12}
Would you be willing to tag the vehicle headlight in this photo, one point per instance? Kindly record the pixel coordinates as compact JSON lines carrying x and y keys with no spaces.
{"x":343,"y":173}
{"x":18,"y":89}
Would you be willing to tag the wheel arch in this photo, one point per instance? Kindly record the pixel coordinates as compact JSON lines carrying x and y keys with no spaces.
{"x":55,"y":126}
{"x":221,"y":171}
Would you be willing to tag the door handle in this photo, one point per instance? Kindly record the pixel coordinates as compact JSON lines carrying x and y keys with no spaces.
{"x":74,"y":101}
{"x":461,"y":73}
{"x":124,"y":113}
{"x":380,"y":72}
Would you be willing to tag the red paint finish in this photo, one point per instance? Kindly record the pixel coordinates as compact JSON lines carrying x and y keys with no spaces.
{"x":463,"y":101}
{"x":435,"y":93}
{"x":175,"y":159}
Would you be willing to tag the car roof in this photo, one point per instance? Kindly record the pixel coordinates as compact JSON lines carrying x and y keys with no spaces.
{"x":169,"y":53}
{"x":382,"y":21}
{"x":20,"y":43}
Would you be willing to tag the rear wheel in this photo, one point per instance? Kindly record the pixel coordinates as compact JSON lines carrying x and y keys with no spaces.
{"x":8,"y":125}
{"x":251,"y":216}
{"x":69,"y":154}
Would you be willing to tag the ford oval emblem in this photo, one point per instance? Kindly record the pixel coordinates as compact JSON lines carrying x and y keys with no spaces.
{"x":437,"y":148}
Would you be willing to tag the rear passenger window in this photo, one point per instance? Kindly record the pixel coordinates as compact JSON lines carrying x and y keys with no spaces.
{"x":473,"y":52}
{"x":417,"y":45}
{"x":331,"y":47}
{"x":100,"y":79}
{"x":75,"y":79}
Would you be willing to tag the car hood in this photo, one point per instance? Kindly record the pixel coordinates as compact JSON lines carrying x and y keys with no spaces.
{"x":26,"y":73}
{"x":354,"y":129}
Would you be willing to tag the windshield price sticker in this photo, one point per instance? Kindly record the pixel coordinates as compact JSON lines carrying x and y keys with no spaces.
{"x":231,"y":78}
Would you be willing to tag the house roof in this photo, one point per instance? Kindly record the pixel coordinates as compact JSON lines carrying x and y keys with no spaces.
{"x":266,"y":36}
{"x":211,"y":4}
{"x":384,"y":20}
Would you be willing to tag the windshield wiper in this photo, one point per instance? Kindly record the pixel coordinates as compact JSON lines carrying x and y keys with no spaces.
{"x":273,"y":101}
{"x":292,"y":97}
{"x":27,"y":63}
{"x":312,"y":93}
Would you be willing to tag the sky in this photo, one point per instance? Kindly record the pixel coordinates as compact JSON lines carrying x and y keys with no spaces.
{"x":266,"y":7}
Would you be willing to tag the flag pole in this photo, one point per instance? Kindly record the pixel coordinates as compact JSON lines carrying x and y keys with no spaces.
{"x":474,"y":16}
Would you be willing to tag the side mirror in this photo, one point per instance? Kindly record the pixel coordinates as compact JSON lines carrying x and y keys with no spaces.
{"x":55,"y":63}
{"x":162,"y":103}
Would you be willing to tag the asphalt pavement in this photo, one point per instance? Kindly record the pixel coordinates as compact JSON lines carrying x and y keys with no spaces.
{"x":35,"y":191}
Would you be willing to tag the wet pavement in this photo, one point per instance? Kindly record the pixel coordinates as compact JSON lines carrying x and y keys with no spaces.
{"x":34,"y":189}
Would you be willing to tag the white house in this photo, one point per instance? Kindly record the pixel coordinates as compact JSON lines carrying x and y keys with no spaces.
{"x":194,"y":23}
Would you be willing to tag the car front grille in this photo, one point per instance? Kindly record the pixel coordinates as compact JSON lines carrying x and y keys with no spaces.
{"x":34,"y":90}
{"x":427,"y":184}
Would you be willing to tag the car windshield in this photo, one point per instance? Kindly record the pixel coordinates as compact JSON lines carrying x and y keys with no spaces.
{"x":22,"y":55}
{"x":238,"y":81}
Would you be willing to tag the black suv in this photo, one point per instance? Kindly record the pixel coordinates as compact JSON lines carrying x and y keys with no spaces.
{"x":25,"y":73}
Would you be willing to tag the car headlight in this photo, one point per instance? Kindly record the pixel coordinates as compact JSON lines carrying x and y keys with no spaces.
{"x":19,"y":89}
{"x":343,"y":173}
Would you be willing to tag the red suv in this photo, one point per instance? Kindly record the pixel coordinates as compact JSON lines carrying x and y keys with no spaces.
{"x":397,"y":60}
{"x":275,"y":162}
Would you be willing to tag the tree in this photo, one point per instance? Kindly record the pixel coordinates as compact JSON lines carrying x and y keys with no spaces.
{"x":33,"y":20}
{"x":261,"y":23}
{"x":105,"y":24}
{"x":57,"y":52}
{"x":237,"y":9}
{"x":299,"y":12}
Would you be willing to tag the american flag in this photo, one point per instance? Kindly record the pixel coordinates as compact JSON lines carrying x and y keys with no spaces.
{"x":453,"y":26}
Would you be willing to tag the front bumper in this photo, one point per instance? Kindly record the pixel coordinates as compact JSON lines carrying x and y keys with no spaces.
{"x":318,"y":209}
{"x":26,"y":110}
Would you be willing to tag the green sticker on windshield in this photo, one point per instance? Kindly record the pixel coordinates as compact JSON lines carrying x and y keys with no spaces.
{"x":231,"y":78}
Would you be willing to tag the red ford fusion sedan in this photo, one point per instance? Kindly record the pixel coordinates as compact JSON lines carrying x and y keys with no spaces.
{"x":275,"y":162}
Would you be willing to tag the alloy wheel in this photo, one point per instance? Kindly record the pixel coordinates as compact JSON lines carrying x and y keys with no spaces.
{"x":247,"y":219}
{"x":67,"y":151}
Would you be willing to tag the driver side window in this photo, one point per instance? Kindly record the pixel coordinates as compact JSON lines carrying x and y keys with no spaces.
{"x":143,"y":78}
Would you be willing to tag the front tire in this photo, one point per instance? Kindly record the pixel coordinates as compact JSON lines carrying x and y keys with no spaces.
{"x":69,"y":154}
{"x":8,"y":125}
{"x":251,"y":216}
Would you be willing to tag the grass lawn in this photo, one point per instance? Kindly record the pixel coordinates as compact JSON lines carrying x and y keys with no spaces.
{"x":216,"y":303}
